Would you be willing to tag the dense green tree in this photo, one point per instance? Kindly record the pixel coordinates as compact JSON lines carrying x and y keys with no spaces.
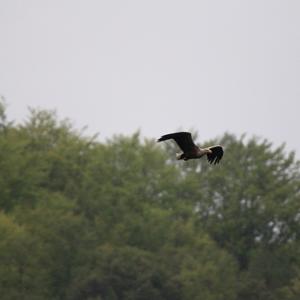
{"x":250,"y":206}
{"x":123,"y":220}
{"x":64,"y":236}
{"x":123,"y":273}
{"x":21,"y":254}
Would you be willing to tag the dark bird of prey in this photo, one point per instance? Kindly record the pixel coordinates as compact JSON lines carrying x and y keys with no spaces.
{"x":190,"y":150}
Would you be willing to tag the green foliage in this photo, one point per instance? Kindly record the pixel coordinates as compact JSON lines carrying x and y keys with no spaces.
{"x":21,"y":256}
{"x":123,"y":273}
{"x":122,"y":220}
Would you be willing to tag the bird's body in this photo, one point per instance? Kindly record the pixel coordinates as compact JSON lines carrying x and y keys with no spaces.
{"x":190,"y":150}
{"x":197,"y":153}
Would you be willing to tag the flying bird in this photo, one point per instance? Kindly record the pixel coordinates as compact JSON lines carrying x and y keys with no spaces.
{"x":190,"y":150}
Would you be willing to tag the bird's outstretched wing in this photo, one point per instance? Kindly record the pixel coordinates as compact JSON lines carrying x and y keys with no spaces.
{"x":216,"y":155}
{"x":183,"y":139}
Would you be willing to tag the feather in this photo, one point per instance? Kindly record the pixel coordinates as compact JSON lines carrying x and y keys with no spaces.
{"x":183,"y":139}
{"x":216,"y":155}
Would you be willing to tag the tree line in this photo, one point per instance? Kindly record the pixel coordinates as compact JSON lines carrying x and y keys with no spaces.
{"x":121,"y":220}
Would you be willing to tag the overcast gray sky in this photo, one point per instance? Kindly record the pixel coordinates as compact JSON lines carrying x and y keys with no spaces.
{"x":159,"y":65}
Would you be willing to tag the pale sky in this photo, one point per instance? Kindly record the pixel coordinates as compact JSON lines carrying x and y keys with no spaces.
{"x":119,"y":66}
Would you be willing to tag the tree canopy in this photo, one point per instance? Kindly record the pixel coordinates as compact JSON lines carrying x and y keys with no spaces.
{"x":119,"y":220}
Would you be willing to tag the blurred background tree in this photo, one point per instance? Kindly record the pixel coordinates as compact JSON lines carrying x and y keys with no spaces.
{"x":121,"y":219}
